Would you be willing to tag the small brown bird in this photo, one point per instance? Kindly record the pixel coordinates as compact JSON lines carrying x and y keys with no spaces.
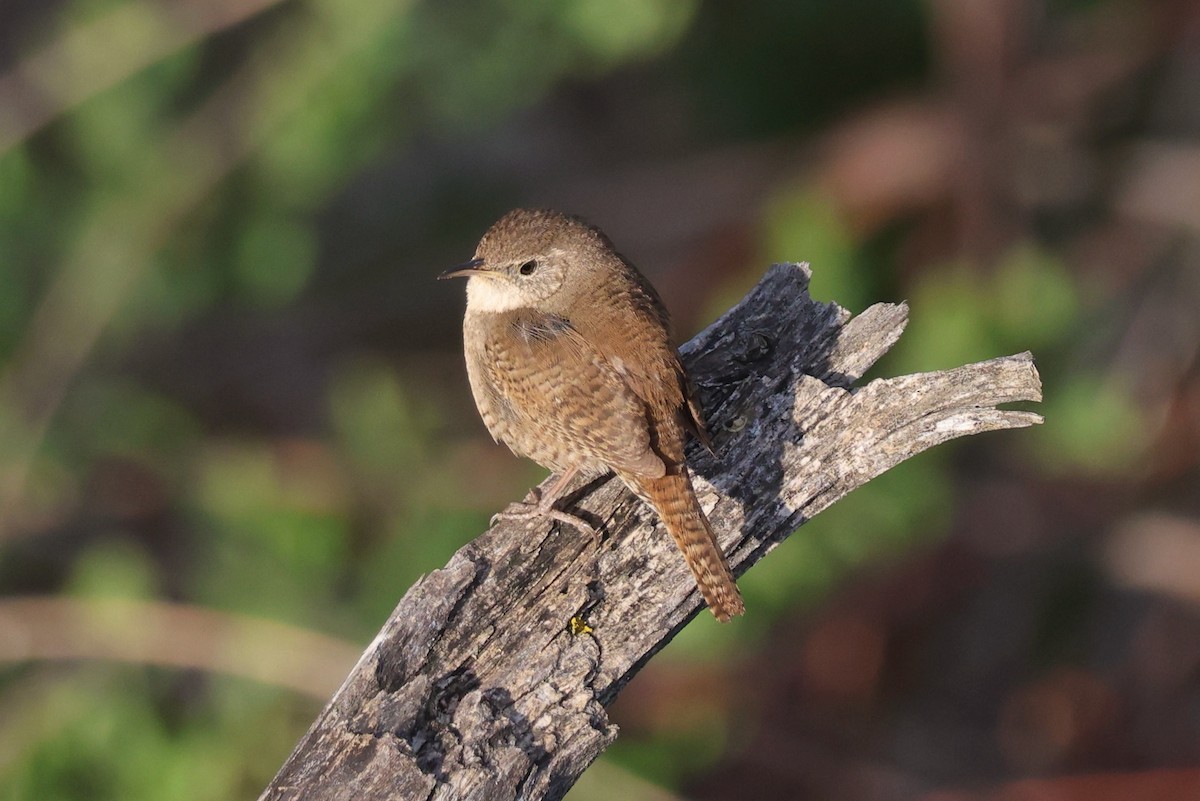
{"x":571,"y":364}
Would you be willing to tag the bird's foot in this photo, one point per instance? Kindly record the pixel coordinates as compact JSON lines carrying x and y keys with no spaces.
{"x":535,"y":505}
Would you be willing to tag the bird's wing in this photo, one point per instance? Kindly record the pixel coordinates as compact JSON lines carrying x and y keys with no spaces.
{"x":570,"y":394}
{"x":648,"y":363}
{"x":694,"y":419}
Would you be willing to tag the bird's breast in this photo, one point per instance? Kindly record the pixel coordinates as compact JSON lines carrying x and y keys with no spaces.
{"x":515,"y":387}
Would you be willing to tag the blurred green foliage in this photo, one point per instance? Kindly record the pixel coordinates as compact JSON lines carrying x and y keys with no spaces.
{"x":803,"y":222}
{"x":103,"y":734}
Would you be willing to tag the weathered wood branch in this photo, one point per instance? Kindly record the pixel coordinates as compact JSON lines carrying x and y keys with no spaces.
{"x":486,"y":684}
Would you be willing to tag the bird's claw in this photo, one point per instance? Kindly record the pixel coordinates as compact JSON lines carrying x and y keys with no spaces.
{"x":535,"y":506}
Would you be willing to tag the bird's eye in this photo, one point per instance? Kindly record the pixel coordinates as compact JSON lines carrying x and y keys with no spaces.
{"x":527,"y":268}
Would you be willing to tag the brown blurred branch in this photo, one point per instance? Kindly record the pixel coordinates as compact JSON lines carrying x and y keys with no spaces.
{"x":172,"y":635}
{"x":491,"y":678}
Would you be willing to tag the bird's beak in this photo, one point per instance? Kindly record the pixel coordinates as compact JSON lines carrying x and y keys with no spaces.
{"x":473,"y":267}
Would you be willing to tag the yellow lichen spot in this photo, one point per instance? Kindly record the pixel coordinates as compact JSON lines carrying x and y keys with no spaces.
{"x":578,"y":626}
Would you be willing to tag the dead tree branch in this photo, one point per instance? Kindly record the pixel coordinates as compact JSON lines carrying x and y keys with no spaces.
{"x":491,"y":678}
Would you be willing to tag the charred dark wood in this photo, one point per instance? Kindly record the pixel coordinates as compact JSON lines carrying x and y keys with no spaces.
{"x":491,"y":678}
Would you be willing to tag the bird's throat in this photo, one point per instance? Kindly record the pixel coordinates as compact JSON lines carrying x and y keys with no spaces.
{"x":493,"y":295}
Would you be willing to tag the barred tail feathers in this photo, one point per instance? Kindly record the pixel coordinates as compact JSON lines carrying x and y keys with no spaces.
{"x":675,"y":501}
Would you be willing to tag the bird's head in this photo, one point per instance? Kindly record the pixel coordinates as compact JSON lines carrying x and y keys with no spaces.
{"x":533,"y":258}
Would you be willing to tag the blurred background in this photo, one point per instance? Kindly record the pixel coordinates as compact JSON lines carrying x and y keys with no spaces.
{"x":235,"y":425}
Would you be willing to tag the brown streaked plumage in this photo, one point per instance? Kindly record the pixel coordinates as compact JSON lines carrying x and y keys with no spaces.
{"x":571,"y":364}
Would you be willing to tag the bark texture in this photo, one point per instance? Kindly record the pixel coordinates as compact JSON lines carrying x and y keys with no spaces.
{"x":491,"y":678}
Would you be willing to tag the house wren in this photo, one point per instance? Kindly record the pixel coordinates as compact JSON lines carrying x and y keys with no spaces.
{"x":571,"y":364}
